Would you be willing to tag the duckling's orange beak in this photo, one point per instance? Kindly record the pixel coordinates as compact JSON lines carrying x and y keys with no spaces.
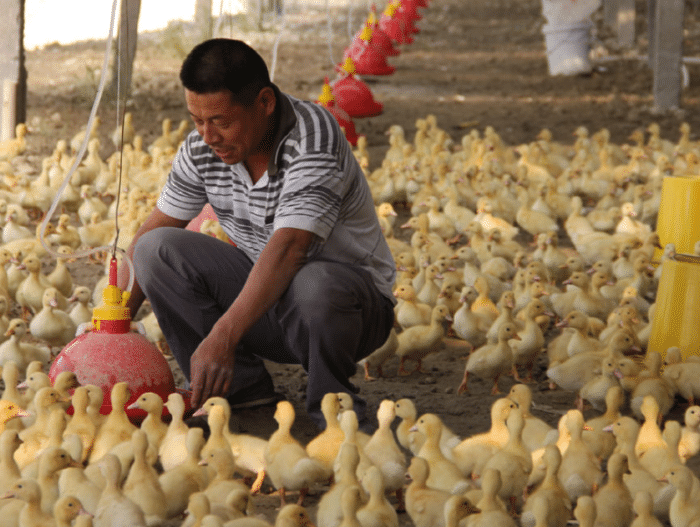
{"x":200,"y":411}
{"x":7,"y":495}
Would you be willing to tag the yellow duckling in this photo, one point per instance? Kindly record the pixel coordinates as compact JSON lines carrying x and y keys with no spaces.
{"x":325,"y":446}
{"x":181,"y":481}
{"x":345,"y":476}
{"x":16,"y":146}
{"x":288,"y":465}
{"x":173,"y":450}
{"x":114,"y":507}
{"x":67,"y":509}
{"x":536,"y":430}
{"x":613,"y":500}
{"x":29,"y":492}
{"x":142,"y":485}
{"x":513,"y":461}
{"x":248,"y":450}
{"x":685,"y":508}
{"x":377,"y":510}
{"x":424,"y":504}
{"x":81,"y":312}
{"x":21,"y":353}
{"x":492,"y":509}
{"x":51,"y":324}
{"x":383,"y":450}
{"x":116,"y":428}
{"x":51,"y":462}
{"x":29,"y":294}
{"x":444,"y":474}
{"x":643,"y":507}
{"x":550,"y":491}
{"x":579,"y":471}
{"x":490,"y":361}
{"x":221,"y":462}
{"x":80,"y":422}
{"x":416,"y":342}
{"x":152,"y":425}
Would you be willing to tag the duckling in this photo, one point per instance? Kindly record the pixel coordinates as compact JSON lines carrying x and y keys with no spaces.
{"x":613,"y":500}
{"x":416,"y":342}
{"x":467,"y":324}
{"x":536,"y":430}
{"x":690,"y":435}
{"x":513,"y":461}
{"x":51,"y":462}
{"x":221,"y":461}
{"x":659,"y":459}
{"x":81,"y":312}
{"x":324,"y":447}
{"x":65,"y":233}
{"x":684,"y":508}
{"x":21,"y":353}
{"x":142,"y":485}
{"x":181,"y":481}
{"x":31,"y":515}
{"x":424,"y":504}
{"x":531,"y":341}
{"x":471,"y":453}
{"x":51,"y":324}
{"x":329,"y":511}
{"x":380,"y":356}
{"x":384,"y":452}
{"x":116,"y":428}
{"x":585,"y":511}
{"x":30,"y":291}
{"x":506,"y":305}
{"x":490,"y":361}
{"x":67,"y":509}
{"x":444,"y":474}
{"x":248,"y":450}
{"x":288,"y":465}
{"x":457,"y":508}
{"x":491,"y":506}
{"x":643,"y":507}
{"x":579,"y":471}
{"x":9,"y":470}
{"x":685,"y":378}
{"x":80,"y":423}
{"x":409,"y":311}
{"x":596,"y":389}
{"x":655,"y":385}
{"x":428,"y":294}
{"x":650,"y":435}
{"x":377,"y":511}
{"x":550,"y":491}
{"x":114,"y":508}
{"x":34,"y":437}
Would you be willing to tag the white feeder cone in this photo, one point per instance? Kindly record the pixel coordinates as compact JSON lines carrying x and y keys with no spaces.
{"x":567,"y":35}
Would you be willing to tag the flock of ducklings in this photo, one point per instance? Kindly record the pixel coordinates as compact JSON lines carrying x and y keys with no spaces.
{"x":517,"y":254}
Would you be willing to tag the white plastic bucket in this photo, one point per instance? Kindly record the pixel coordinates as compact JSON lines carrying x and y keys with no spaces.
{"x":568,"y":48}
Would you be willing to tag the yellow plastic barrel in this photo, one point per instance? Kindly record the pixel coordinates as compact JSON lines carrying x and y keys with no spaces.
{"x":678,"y":221}
{"x":676,"y":319}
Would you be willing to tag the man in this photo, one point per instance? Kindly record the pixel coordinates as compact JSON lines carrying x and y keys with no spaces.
{"x":310,"y":279}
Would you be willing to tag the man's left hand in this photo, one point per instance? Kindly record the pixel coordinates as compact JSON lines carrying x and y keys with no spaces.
{"x":211,"y":369}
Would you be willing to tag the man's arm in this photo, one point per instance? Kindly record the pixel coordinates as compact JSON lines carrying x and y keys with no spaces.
{"x":154,"y":220}
{"x":211,"y":365}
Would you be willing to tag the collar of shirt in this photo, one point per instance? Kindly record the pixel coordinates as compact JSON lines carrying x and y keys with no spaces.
{"x":287,"y":120}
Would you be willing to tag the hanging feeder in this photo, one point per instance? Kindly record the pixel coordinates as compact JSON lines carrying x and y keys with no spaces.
{"x":111,"y":353}
{"x":398,"y":29}
{"x":380,"y":39}
{"x":353,"y":95}
{"x":367,"y":58}
{"x":327,"y":101}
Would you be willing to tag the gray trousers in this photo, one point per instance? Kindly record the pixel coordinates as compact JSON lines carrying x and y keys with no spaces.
{"x":331,"y":315}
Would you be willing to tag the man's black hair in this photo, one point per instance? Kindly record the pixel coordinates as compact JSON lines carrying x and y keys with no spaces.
{"x":222,"y":63}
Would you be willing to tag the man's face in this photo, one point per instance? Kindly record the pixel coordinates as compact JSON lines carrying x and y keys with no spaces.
{"x":232,"y":131}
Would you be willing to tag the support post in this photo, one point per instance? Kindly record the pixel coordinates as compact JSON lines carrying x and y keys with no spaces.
{"x":610,"y":9}
{"x":667,"y":53}
{"x":12,"y":66}
{"x":9,"y":109}
{"x":625,"y":19}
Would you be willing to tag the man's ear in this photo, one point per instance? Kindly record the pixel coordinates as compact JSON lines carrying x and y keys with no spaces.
{"x":268,"y":99}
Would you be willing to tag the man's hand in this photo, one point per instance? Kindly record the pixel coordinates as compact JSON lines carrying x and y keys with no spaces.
{"x":211,"y":368}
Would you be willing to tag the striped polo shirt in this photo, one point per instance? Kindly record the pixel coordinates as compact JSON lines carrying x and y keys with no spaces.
{"x":313,"y":182}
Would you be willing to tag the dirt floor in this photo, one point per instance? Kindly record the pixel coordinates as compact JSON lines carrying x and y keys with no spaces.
{"x":473,"y":64}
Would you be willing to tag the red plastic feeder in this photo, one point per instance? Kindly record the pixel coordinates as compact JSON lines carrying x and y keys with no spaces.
{"x":380,"y":39}
{"x":111,"y":353}
{"x":326,"y":100}
{"x":409,"y":10}
{"x":367,"y":58}
{"x":399,"y":29}
{"x":353,"y":95}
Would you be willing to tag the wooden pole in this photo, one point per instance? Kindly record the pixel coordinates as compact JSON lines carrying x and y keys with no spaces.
{"x":9,"y":109}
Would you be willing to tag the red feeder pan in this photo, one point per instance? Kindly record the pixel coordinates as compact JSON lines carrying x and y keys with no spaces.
{"x":327,"y":101}
{"x":398,"y":29}
{"x":367,"y":58}
{"x":111,"y":353}
{"x":353,"y":95}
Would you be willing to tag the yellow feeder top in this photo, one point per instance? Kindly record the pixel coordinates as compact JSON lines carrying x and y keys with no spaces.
{"x":114,"y":301}
{"x":349,"y":66}
{"x":391,"y":9}
{"x":326,"y":94}
{"x":366,"y":34}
